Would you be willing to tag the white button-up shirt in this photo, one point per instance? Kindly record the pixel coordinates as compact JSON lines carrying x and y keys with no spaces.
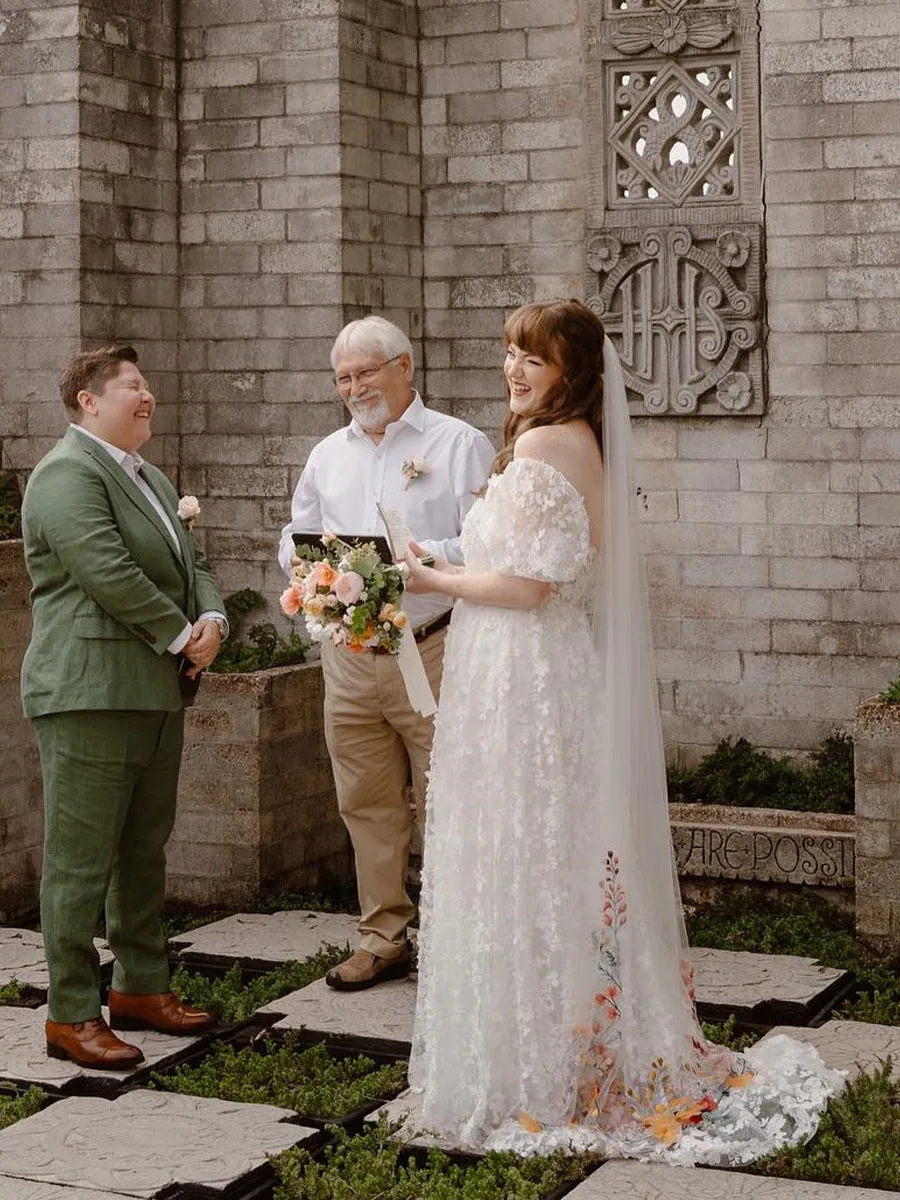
{"x":131,"y":464}
{"x":347,"y":474}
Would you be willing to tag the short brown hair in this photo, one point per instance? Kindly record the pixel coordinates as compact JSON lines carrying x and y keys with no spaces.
{"x":90,"y":371}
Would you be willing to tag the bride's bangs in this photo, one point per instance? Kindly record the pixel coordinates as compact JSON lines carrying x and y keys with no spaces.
{"x":535,"y":328}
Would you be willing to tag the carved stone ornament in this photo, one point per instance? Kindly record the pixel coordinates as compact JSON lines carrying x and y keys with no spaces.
{"x":681,"y":311}
{"x":670,"y":32}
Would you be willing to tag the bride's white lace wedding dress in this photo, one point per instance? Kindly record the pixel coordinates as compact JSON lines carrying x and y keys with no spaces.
{"x":555,"y":1004}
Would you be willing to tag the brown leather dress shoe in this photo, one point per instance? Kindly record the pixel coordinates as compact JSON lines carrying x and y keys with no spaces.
{"x":162,"y":1011}
{"x":91,"y":1044}
{"x":363,"y":970}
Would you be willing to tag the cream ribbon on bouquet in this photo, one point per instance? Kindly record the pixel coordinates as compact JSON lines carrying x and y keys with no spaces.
{"x":409,"y":660}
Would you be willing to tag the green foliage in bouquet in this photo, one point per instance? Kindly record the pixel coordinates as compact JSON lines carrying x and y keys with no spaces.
{"x":348,"y":594}
{"x":10,"y":507}
{"x":265,"y":647}
{"x":305,"y":1078}
{"x":740,"y":775}
{"x":369,"y":1167}
{"x":232,"y":998}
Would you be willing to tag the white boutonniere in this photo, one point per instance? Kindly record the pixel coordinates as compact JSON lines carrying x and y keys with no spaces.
{"x":189,"y":510}
{"x":413,"y":468}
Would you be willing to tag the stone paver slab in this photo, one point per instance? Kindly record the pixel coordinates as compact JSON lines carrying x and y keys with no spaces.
{"x":643,"y":1181}
{"x":378,"y":1018}
{"x":741,"y":982}
{"x":726,"y":979}
{"x":145,"y":1142}
{"x":852,"y":1046}
{"x":27,"y":1189}
{"x":266,"y":937}
{"x":23,"y":1053}
{"x":22,"y":958}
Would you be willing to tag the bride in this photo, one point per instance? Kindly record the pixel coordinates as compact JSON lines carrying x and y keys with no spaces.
{"x":555,"y":1003}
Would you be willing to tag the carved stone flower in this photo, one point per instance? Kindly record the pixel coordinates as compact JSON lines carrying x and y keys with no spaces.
{"x":734,"y":391}
{"x":733,"y":248}
{"x":603,"y":253}
{"x":669,"y":34}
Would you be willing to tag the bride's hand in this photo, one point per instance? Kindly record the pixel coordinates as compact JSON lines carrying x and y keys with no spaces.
{"x":422,"y":578}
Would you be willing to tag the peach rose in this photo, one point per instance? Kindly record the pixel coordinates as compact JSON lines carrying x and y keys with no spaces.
{"x":348,"y":587}
{"x":322,"y":575}
{"x":388,"y":612}
{"x":291,"y":600}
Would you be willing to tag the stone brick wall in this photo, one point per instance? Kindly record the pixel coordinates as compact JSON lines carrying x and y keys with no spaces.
{"x":40,"y":222}
{"x":775,"y":542}
{"x":21,"y":811}
{"x":256,"y":803}
{"x":504,"y":183}
{"x":129,"y":195}
{"x":299,"y":169}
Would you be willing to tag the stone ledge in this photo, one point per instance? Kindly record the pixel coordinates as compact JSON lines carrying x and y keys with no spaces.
{"x":764,"y":845}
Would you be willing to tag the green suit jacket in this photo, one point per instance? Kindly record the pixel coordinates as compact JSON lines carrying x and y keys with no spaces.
{"x":109,"y":590}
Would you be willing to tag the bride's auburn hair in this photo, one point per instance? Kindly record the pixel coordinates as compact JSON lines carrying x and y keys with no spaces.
{"x":569,"y":335}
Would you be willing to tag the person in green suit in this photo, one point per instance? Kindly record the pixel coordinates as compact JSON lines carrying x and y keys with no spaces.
{"x":125,"y":615}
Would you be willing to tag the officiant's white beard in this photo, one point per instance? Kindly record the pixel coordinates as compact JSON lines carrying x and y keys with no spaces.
{"x":373,"y":413}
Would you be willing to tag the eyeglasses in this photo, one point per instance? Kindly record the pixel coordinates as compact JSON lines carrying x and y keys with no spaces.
{"x":344,"y":383}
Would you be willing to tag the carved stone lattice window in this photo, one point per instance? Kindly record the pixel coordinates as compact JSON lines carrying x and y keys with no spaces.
{"x":674,"y":256}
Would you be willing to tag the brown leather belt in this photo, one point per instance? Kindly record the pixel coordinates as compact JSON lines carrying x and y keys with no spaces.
{"x":430,"y":627}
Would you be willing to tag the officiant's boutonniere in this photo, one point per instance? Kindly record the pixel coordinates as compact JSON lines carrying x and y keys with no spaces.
{"x":413,"y":468}
{"x":189,"y":510}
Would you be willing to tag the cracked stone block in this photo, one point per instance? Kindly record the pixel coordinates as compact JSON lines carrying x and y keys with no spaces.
{"x":378,"y":1018}
{"x":26,"y":1189}
{"x":758,"y":985}
{"x":646,"y":1181}
{"x":22,"y":958}
{"x":266,"y":938}
{"x":23,"y":1053}
{"x":851,"y":1046}
{"x":114,"y":1146}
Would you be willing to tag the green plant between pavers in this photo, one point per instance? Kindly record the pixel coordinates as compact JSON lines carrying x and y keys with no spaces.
{"x":722,"y":1033}
{"x":10,"y":507}
{"x":232,"y":998}
{"x":181,"y":918}
{"x":857,"y":1143}
{"x":739,"y":775}
{"x":369,"y":1167}
{"x":17,"y":1108}
{"x":11,"y":993}
{"x":267,"y":647}
{"x":290,"y":1075}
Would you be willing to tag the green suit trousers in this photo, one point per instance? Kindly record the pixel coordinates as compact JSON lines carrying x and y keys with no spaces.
{"x":110,"y":783}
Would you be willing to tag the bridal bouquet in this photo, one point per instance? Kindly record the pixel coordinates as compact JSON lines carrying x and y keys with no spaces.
{"x":348,"y":594}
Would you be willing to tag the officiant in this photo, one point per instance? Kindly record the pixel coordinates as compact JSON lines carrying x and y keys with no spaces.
{"x":428,"y":467}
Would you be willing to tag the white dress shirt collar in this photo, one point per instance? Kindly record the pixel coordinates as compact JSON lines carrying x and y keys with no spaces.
{"x":413,"y":414}
{"x":131,"y":463}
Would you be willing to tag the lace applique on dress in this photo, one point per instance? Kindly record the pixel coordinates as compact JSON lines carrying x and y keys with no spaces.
{"x":547,"y":1015}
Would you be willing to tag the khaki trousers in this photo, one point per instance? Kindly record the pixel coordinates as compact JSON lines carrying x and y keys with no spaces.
{"x":376,"y":741}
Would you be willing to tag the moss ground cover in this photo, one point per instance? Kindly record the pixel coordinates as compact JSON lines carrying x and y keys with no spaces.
{"x":17,"y":1108}
{"x":370,"y":1166}
{"x":288,"y":1074}
{"x":234,"y":997}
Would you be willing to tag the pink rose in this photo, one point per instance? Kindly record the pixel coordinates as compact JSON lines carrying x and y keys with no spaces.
{"x":348,"y":587}
{"x":291,"y":600}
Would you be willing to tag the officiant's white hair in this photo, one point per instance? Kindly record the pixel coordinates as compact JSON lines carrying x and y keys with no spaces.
{"x":372,"y":335}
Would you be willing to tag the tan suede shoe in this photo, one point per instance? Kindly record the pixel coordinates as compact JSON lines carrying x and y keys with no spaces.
{"x":364,"y":970}
{"x":162,"y":1011}
{"x":91,"y":1044}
